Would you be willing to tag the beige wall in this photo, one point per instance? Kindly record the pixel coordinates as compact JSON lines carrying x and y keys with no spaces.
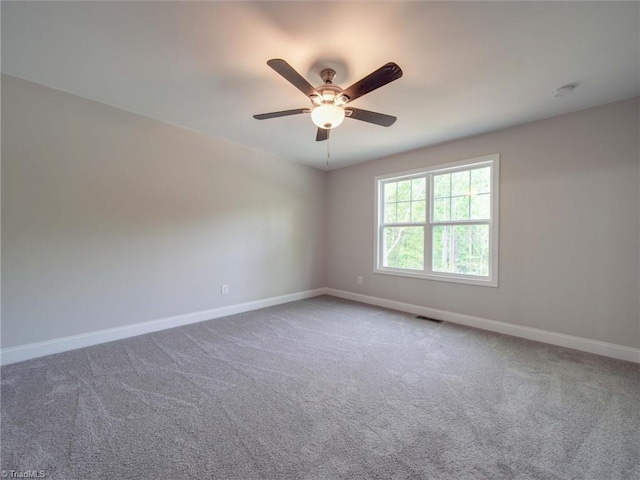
{"x":110,"y":218}
{"x":569,"y":226}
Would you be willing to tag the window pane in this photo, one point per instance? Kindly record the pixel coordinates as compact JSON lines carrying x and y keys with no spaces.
{"x":390,"y":192}
{"x":418,"y":211}
{"x":404,"y":212}
{"x":442,"y":185}
{"x":460,"y":183}
{"x":481,"y":207}
{"x":418,"y":188}
{"x":481,"y":180}
{"x":390,"y":213}
{"x":441,"y":209}
{"x":460,"y":208}
{"x":403,"y":247}
{"x":404,"y":191}
{"x":462,"y":249}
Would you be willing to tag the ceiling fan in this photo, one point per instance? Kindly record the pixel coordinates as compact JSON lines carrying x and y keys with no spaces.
{"x":330,"y":102}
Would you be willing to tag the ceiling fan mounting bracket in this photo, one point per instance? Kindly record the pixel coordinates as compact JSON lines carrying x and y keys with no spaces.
{"x":327,"y":75}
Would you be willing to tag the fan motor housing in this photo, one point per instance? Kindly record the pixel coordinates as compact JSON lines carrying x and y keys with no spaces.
{"x":331,"y":94}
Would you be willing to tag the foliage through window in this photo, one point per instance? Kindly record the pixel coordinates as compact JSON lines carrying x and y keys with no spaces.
{"x":440,"y":222}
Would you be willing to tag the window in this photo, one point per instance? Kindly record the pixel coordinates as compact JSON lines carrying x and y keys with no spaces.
{"x":440,"y":223}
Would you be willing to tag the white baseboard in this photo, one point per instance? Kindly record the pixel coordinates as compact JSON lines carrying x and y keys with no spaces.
{"x":612,"y":350}
{"x":58,"y":345}
{"x":40,"y":349}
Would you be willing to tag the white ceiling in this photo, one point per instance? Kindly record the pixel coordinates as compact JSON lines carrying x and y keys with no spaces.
{"x":469,"y":67}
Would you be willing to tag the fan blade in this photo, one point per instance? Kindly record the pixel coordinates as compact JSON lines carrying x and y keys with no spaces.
{"x":283,"y":113}
{"x":371,"y":117}
{"x":322,"y":135}
{"x":297,"y":80}
{"x":385,"y":74}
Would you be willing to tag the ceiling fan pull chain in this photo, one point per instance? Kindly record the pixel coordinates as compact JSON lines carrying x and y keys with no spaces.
{"x":328,"y":150}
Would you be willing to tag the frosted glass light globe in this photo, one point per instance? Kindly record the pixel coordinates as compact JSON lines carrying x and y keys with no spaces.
{"x":327,"y":116}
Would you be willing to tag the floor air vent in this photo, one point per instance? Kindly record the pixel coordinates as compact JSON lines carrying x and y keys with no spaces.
{"x":420,"y":317}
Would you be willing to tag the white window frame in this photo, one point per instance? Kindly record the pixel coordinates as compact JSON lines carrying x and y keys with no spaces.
{"x":427,"y":273}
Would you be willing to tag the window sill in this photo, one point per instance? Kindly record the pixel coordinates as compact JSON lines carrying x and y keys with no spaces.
{"x":479,"y":281}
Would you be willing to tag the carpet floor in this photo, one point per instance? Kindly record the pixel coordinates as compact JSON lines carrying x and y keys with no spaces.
{"x":322,"y":389}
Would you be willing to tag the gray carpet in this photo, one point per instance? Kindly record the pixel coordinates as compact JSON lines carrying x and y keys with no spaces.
{"x":322,"y":389}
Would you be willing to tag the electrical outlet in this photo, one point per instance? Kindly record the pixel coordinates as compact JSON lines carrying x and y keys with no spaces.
{"x":224,"y":289}
{"x":359,"y":280}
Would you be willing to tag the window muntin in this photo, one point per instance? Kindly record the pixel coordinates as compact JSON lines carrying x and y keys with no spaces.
{"x":404,"y":215}
{"x":404,"y":201}
{"x":440,"y":223}
{"x":462,"y":195}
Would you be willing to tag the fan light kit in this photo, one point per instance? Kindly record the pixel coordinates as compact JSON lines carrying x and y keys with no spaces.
{"x":329,"y":102}
{"x":327,"y":115}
